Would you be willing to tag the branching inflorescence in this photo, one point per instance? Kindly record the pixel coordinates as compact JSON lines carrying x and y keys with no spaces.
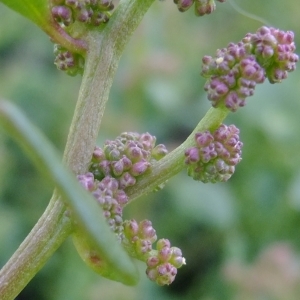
{"x":232,"y":75}
{"x":112,"y":170}
{"x":234,"y":71}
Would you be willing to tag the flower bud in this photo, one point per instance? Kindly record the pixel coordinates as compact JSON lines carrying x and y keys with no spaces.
{"x":203,"y":7}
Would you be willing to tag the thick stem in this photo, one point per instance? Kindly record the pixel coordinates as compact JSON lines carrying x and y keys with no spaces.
{"x":46,"y":236}
{"x":105,"y":49}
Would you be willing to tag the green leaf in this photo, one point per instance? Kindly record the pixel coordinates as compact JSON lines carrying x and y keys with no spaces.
{"x":39,"y":12}
{"x":36,"y":10}
{"x":87,"y":213}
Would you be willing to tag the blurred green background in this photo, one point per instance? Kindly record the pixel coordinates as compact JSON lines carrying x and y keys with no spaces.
{"x":240,"y":238}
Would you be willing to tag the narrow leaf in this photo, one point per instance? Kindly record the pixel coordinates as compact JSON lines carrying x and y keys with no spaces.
{"x":87,"y":213}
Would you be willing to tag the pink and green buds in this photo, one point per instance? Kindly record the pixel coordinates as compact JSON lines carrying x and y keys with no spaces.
{"x":109,"y":197}
{"x":163,"y":263}
{"x":232,"y":76}
{"x":65,"y":60}
{"x":127,"y":157}
{"x":234,"y":72}
{"x":202,"y":7}
{"x":274,"y":50}
{"x":138,"y":238}
{"x":215,"y":155}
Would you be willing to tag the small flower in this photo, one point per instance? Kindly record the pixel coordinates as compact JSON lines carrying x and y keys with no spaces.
{"x":202,"y":7}
{"x":62,"y":14}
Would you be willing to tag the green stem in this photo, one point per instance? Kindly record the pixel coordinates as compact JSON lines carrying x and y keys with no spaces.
{"x":104,"y":51}
{"x":47,"y":235}
{"x":173,"y":163}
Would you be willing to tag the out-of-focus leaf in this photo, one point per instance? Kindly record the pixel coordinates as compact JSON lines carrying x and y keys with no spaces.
{"x":88,"y":214}
{"x":35,"y":10}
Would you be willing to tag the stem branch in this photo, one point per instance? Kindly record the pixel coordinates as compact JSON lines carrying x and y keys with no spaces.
{"x":103,"y":54}
{"x":173,"y":162}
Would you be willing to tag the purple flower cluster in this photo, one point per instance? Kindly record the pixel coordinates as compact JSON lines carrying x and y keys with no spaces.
{"x":232,"y":76}
{"x":215,"y":155}
{"x":91,"y":12}
{"x":202,"y":7}
{"x":235,"y":70}
{"x":163,"y":262}
{"x":65,"y":60}
{"x":110,"y":198}
{"x":126,"y":158}
{"x":274,"y":50}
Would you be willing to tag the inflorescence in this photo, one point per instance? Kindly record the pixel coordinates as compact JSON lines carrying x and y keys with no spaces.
{"x":215,"y":155}
{"x":202,"y":7}
{"x":72,"y":16}
{"x":234,"y":71}
{"x":114,"y":168}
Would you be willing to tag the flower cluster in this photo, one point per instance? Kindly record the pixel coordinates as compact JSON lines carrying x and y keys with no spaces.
{"x":234,"y":71}
{"x":162,"y":264}
{"x":215,"y":155}
{"x":138,"y":238}
{"x":110,"y":198}
{"x":65,"y":60}
{"x":202,"y":7}
{"x":91,"y":12}
{"x":274,"y":50}
{"x":126,"y":158}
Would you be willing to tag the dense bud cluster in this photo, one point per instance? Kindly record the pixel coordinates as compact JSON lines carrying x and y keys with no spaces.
{"x":110,"y":198}
{"x":139,"y":237}
{"x":234,"y":71}
{"x":91,"y":12}
{"x":126,"y":158}
{"x":215,"y":155}
{"x":274,"y":50}
{"x":65,"y":60}
{"x":202,"y":7}
{"x":163,"y":262}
